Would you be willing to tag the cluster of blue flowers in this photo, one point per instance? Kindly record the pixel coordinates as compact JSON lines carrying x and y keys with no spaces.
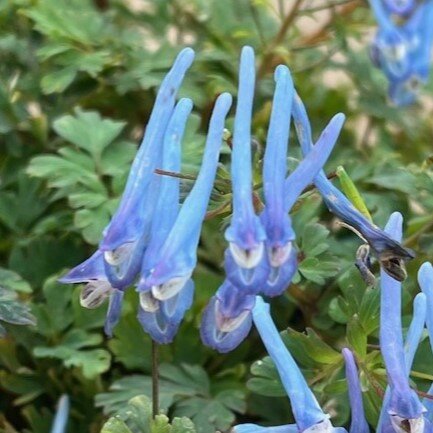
{"x":402,"y":411}
{"x":402,"y":46}
{"x":151,"y":244}
{"x":151,"y":241}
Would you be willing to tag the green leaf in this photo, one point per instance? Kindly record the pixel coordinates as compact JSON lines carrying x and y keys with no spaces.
{"x":182,"y":425}
{"x":11,"y":281}
{"x":88,"y":130}
{"x":92,"y":362}
{"x":115,"y":425}
{"x":357,"y":337}
{"x":309,"y":348}
{"x":58,"y":81}
{"x":268,"y":381}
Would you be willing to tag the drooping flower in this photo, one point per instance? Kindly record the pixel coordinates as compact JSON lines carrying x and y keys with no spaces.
{"x":391,"y":254}
{"x":402,"y":50}
{"x":261,"y":257}
{"x":149,"y":238}
{"x":245,"y":235}
{"x":308,"y":415}
{"x":404,"y":411}
{"x":412,"y":341}
{"x":425,"y":280}
{"x":358,"y":422}
{"x":227,"y":318}
{"x":165,"y":285}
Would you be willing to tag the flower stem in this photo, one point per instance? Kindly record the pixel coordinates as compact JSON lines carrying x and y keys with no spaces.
{"x":155,"y":379}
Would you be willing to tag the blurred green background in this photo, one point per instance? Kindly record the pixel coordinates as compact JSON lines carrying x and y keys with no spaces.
{"x":77,"y":83}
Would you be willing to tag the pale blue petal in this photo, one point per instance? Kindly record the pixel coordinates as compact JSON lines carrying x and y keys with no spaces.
{"x":249,"y":281}
{"x":229,"y":303}
{"x":90,"y":269}
{"x":178,"y":255}
{"x":245,"y":229}
{"x":403,"y":401}
{"x":62,"y":415}
{"x":313,"y":162}
{"x":358,"y":422}
{"x":280,"y":278}
{"x":114,"y":311}
{"x":305,"y":407}
{"x":167,"y":203}
{"x":275,"y":159}
{"x":253,"y":428}
{"x":134,"y":213}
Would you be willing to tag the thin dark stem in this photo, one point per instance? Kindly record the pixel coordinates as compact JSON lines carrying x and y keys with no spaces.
{"x":155,"y":379}
{"x":268,"y":57}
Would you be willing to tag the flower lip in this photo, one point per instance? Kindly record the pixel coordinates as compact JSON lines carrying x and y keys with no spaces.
{"x":148,"y":302}
{"x":119,"y":255}
{"x":169,"y":288}
{"x":228,"y":324}
{"x":407,"y":425}
{"x":247,"y":258}
{"x":278,"y":255}
{"x":94,"y":294}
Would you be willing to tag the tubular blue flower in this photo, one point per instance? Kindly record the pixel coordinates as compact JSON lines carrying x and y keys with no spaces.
{"x":245,"y":235}
{"x":125,"y":238}
{"x":308,"y":415}
{"x":281,"y":253}
{"x":358,"y":422}
{"x":403,"y":51}
{"x":62,"y":414}
{"x":404,"y":409}
{"x":391,"y":254}
{"x":116,"y":263}
{"x":165,"y":285}
{"x":412,"y":341}
{"x":425,"y":280}
{"x":227,"y":318}
{"x":261,"y":255}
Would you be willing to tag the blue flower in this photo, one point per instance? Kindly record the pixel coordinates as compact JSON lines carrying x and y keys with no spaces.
{"x":403,"y":51}
{"x":390,"y":253}
{"x":358,"y":422}
{"x":116,"y":264}
{"x":165,"y":284}
{"x":404,"y":410}
{"x":261,"y":257}
{"x":155,"y":243}
{"x":227,"y":318}
{"x":308,"y":415}
{"x":425,"y":280}
{"x":245,"y":235}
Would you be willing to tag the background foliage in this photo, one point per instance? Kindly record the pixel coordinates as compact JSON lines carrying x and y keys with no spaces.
{"x":77,"y":83}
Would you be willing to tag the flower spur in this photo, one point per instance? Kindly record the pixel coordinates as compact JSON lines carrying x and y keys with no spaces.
{"x":116,"y":263}
{"x":390,"y":253}
{"x":425,"y":280}
{"x":358,"y":422}
{"x":403,"y":411}
{"x":165,"y":285}
{"x":258,"y":247}
{"x":227,"y":318}
{"x":308,"y":415}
